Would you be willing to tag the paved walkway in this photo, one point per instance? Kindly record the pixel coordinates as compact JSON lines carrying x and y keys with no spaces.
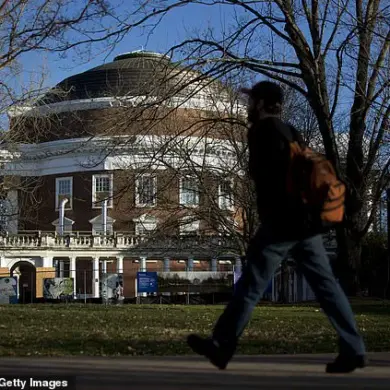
{"x":192,"y":372}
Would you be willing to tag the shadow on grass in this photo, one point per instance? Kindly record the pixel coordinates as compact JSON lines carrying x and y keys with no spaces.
{"x":383,"y":310}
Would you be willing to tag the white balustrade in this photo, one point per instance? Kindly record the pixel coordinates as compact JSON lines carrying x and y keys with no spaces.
{"x":77,"y":241}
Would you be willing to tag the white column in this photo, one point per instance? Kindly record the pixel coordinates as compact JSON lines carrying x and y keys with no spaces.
{"x":62,"y":268}
{"x":166,"y":268}
{"x":73,"y":274}
{"x":47,"y":262}
{"x":166,"y":264}
{"x":142,"y":268}
{"x":142,"y":264}
{"x":214,"y":264}
{"x":190,"y":264}
{"x":104,"y":266}
{"x":95,"y":277}
{"x":119,"y":264}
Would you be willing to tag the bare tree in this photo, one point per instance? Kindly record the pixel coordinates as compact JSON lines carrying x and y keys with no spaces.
{"x":336,"y":54}
{"x":33,"y":26}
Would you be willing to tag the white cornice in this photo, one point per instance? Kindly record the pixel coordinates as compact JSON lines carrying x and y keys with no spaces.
{"x":198,"y":102}
{"x":124,"y":144}
{"x":122,"y":152}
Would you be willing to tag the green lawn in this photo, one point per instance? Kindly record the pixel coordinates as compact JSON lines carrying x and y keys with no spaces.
{"x":161,"y":330}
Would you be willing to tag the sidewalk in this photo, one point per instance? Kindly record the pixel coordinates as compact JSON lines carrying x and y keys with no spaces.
{"x":192,"y":372}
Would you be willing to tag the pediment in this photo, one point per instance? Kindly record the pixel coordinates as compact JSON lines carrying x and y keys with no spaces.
{"x":99,"y":220}
{"x":67,"y":221}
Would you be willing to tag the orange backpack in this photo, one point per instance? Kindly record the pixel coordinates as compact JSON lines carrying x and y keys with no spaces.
{"x":313,"y":180}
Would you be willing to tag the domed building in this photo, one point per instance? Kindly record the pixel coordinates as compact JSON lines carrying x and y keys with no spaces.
{"x":134,"y":165}
{"x":122,"y":168}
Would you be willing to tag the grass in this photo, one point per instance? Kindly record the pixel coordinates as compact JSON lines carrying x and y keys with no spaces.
{"x":91,"y":330}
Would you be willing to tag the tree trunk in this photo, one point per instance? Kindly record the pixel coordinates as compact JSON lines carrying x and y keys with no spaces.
{"x":348,"y":263}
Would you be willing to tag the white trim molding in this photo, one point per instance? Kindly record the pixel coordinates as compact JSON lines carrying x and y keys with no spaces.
{"x":199,"y":101}
{"x":105,"y":153}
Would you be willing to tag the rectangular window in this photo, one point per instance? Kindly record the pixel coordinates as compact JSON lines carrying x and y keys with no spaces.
{"x":189,"y":191}
{"x":225,"y":195}
{"x":102,"y":189}
{"x":146,"y":191}
{"x":64,"y":189}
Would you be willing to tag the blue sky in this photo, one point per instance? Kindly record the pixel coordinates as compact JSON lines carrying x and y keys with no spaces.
{"x":170,"y":31}
{"x":176,"y":26}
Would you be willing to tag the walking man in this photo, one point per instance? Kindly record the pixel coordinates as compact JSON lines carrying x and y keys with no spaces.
{"x":283,"y":230}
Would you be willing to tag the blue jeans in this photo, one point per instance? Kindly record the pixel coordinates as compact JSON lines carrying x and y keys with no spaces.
{"x":265,"y":254}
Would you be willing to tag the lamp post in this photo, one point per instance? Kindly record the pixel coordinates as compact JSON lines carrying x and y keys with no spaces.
{"x":62,"y":216}
{"x":104,"y":217}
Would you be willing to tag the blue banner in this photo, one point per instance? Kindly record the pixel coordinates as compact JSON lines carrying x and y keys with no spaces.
{"x":147,"y":282}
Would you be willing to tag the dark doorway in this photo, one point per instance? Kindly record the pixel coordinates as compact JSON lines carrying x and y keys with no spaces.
{"x":27,"y":281}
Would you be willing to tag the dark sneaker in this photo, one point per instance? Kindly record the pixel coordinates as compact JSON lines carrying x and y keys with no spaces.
{"x":345,"y":364}
{"x":207,"y":347}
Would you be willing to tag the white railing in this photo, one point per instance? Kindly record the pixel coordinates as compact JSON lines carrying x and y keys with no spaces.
{"x":75,"y":240}
{"x":50,"y":240}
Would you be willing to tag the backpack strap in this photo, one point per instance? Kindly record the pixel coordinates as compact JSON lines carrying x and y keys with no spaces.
{"x":297,"y":136}
{"x":291,"y":134}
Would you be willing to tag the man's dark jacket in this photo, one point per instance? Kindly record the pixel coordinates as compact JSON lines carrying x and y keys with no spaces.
{"x":269,"y":157}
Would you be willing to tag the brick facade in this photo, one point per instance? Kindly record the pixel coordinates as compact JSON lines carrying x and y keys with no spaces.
{"x":39,"y":211}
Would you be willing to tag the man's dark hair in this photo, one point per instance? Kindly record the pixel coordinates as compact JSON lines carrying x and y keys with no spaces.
{"x":270,"y":92}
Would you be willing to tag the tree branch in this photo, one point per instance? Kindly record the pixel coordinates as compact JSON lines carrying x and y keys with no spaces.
{"x":378,"y":65}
